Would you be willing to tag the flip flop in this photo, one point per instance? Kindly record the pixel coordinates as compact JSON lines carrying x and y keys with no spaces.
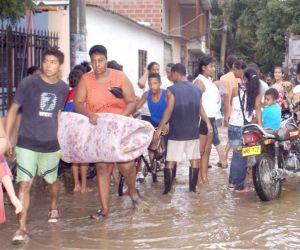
{"x":98,"y":215}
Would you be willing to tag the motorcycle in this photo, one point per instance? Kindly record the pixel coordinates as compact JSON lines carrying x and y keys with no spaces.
{"x":277,"y":154}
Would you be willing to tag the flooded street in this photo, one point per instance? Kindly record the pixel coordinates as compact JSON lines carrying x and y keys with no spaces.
{"x":213,"y":218}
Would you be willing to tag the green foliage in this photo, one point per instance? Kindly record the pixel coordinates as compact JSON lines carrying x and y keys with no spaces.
{"x":12,"y":10}
{"x":256,"y":28}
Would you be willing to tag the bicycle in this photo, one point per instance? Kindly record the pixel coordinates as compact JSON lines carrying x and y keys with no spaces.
{"x":142,"y":162}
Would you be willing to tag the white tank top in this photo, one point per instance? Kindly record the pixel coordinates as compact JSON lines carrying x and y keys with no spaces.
{"x":236,"y":117}
{"x":210,"y":97}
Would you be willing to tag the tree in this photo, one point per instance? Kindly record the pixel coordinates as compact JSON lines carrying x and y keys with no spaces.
{"x":12,"y":10}
{"x":256,"y":28}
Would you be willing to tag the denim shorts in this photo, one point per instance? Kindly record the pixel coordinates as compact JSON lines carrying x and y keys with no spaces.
{"x":204,"y":131}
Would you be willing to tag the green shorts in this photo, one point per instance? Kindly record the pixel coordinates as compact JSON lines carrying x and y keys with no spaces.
{"x":31,"y":163}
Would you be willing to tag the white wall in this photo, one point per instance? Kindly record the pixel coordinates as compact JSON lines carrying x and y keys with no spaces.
{"x":59,"y":22}
{"x":123,"y":40}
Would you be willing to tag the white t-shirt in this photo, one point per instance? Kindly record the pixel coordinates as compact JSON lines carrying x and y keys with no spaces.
{"x":165,"y":83}
{"x":236,"y":117}
{"x":296,"y":89}
{"x":211,"y":98}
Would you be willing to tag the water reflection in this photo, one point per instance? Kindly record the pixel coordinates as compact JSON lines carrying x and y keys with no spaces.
{"x":213,"y":218}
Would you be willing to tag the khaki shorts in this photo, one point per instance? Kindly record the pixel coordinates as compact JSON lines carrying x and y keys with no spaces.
{"x":183,"y":150}
{"x":31,"y":163}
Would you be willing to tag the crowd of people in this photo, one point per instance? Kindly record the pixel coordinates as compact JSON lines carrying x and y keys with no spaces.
{"x":185,"y":112}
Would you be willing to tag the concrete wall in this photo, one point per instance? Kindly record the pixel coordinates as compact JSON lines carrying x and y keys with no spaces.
{"x":123,"y":39}
{"x":58,"y":21}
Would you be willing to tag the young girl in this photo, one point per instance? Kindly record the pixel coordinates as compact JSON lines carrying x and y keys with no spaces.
{"x":279,"y":85}
{"x":245,"y":100}
{"x":74,"y":78}
{"x":5,"y":179}
{"x":210,"y":99}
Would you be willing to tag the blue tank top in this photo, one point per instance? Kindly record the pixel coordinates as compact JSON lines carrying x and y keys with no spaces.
{"x":157,"y":108}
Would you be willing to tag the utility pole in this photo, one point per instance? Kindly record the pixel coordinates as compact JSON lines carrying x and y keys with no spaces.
{"x":78,"y":51}
{"x":223,"y":47}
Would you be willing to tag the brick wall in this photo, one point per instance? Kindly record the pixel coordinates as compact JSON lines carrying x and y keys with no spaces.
{"x":149,"y":11}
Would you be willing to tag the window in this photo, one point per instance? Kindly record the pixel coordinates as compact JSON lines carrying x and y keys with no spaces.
{"x":142,"y":62}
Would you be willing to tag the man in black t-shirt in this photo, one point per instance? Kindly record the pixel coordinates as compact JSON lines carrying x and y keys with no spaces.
{"x":41,"y":97}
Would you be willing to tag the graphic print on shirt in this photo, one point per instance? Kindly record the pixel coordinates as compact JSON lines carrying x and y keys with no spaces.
{"x":48,"y":103}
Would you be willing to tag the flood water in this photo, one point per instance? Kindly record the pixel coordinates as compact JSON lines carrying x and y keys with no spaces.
{"x":213,"y":218}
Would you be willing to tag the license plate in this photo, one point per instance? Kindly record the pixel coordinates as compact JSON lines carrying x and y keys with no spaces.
{"x":254,"y":150}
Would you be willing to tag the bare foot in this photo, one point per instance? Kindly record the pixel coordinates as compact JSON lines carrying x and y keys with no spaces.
{"x":77,"y":188}
{"x":204,"y":180}
{"x":141,"y":205}
{"x":86,"y":190}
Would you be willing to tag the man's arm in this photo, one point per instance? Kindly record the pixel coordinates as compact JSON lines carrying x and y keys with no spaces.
{"x":226,"y":109}
{"x":167,"y":113}
{"x":129,"y":97}
{"x":10,"y":123}
{"x":142,"y":101}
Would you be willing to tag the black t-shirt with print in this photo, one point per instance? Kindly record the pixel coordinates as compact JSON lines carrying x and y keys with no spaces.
{"x":40,"y":103}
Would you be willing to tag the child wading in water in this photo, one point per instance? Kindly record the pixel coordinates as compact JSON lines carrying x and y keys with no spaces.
{"x":5,"y":179}
{"x":74,"y":77}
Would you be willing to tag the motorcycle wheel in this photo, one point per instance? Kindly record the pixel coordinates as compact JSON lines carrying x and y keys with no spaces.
{"x":266,"y":188}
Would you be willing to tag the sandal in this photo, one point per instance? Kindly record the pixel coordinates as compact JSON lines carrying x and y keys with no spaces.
{"x":99,"y":214}
{"x":220,"y":165}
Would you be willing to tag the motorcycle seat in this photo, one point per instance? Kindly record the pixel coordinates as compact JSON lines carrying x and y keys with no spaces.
{"x":276,"y":133}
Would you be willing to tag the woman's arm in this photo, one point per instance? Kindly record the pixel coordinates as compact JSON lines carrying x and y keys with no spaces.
{"x":129,"y":97}
{"x":7,"y":183}
{"x":258,"y":109}
{"x":205,"y":119}
{"x":79,"y":102}
{"x":3,"y":140}
{"x":142,"y":81}
{"x":142,"y":100}
{"x":201,"y":85}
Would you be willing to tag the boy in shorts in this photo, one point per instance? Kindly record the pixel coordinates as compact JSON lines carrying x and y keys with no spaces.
{"x":41,"y":98}
{"x":183,"y":113}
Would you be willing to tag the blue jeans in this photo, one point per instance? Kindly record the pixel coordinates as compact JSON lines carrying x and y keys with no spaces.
{"x":238,"y":167}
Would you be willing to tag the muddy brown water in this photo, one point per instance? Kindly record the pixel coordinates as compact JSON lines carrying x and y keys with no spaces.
{"x":213,"y":218}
